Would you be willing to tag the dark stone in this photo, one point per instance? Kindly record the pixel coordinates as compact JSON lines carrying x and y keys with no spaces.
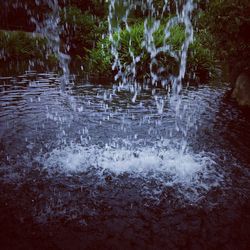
{"x":241,"y":91}
{"x":235,"y":67}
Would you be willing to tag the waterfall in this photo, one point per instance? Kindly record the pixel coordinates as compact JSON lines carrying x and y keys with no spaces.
{"x":156,"y":16}
{"x":51,"y":30}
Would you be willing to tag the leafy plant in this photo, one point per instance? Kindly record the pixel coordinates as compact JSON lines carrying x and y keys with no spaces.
{"x":201,"y":58}
{"x":81,"y":30}
{"x":21,"y":45}
{"x":99,"y":59}
{"x":229,"y":23}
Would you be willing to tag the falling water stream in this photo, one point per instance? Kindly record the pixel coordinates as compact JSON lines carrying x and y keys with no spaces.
{"x":134,"y":164}
{"x":50,"y":29}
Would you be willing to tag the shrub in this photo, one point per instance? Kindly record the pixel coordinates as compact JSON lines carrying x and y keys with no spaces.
{"x":99,"y":59}
{"x":21,"y":45}
{"x":80,"y":30}
{"x":229,"y":23}
{"x":201,"y":59}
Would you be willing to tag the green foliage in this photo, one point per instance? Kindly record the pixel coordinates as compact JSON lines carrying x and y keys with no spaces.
{"x":81,"y":30}
{"x":99,"y":59}
{"x":229,"y":22}
{"x":21,"y":45}
{"x":201,"y":58}
{"x":222,"y":35}
{"x":94,"y":7}
{"x":19,"y":50}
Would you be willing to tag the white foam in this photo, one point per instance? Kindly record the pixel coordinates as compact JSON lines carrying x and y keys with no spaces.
{"x":144,"y":161}
{"x":147,"y":160}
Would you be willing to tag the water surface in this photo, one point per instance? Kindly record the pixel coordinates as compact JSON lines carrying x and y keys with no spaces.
{"x":91,"y":168}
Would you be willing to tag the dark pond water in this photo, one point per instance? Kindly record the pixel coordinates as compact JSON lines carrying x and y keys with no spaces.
{"x":90,"y":169}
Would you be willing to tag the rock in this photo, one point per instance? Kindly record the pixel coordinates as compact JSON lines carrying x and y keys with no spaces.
{"x":241,"y":91}
{"x":235,"y":67}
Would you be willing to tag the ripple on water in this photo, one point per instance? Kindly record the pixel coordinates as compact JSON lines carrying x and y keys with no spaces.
{"x":68,"y":133}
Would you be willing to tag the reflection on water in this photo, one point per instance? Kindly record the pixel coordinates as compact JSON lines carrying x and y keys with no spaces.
{"x":94,"y":161}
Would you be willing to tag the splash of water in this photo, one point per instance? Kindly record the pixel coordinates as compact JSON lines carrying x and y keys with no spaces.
{"x":191,"y":174}
{"x":142,"y":159}
{"x":145,"y":159}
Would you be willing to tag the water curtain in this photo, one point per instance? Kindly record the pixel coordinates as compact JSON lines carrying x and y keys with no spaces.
{"x":156,"y":17}
{"x":51,"y":29}
{"x":158,"y":20}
